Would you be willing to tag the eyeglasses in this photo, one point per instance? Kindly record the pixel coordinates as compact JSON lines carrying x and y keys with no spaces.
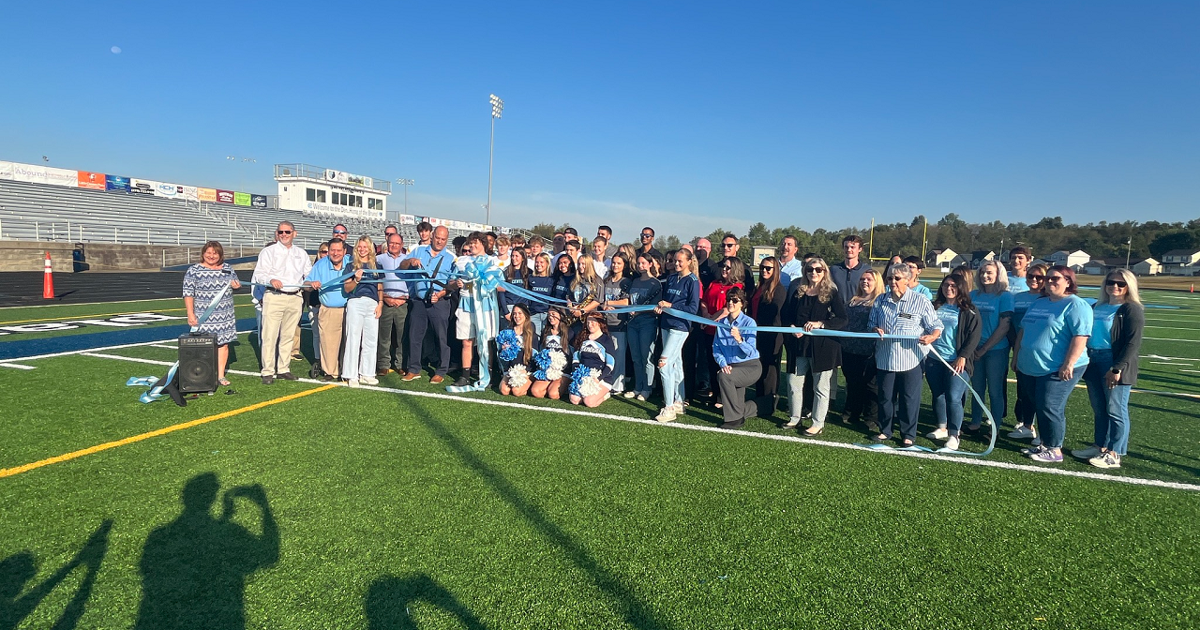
{"x":817,"y":270}
{"x":1054,"y":278}
{"x":1116,"y":283}
{"x":283,"y":231}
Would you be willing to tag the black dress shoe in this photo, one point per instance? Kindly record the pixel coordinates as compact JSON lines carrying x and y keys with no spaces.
{"x":734,"y":425}
{"x":267,"y":380}
{"x":287,"y":376}
{"x":462,"y":382}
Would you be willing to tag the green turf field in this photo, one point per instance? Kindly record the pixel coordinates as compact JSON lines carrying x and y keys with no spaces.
{"x":405,"y":507}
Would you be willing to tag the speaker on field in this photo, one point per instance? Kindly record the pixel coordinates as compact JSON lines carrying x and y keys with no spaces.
{"x":197,"y":363}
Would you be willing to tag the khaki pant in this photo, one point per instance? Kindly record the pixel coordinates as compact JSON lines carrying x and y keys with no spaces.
{"x":329,"y":322}
{"x":281,"y":314}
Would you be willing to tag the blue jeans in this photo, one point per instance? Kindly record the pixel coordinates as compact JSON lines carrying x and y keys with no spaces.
{"x":990,"y":372}
{"x":1109,"y":406}
{"x":672,"y":370}
{"x":641,"y":338}
{"x":539,"y":321}
{"x":1050,"y":395}
{"x":948,"y":390}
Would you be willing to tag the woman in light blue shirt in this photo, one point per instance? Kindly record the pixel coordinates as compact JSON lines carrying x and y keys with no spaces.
{"x":1023,"y":410}
{"x":735,"y":350}
{"x":995,"y":305}
{"x":954,"y":347}
{"x":1050,"y":348}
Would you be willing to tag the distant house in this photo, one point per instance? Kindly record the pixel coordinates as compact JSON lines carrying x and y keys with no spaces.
{"x":1075,"y":260}
{"x":1145,"y":267}
{"x":945,"y":259}
{"x":1095,"y":267}
{"x":1181,"y":262}
{"x":980,"y":256}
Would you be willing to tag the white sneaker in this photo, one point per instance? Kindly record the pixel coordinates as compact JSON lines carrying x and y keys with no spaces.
{"x":666,"y":415}
{"x":1107,"y":459}
{"x":369,"y":380}
{"x":677,"y":407}
{"x":952,"y":443}
{"x":630,"y":394}
{"x":1022,"y":433}
{"x":353,"y":382}
{"x":792,"y":423}
{"x":940,"y":434}
{"x":641,"y":397}
{"x":1086,"y":453}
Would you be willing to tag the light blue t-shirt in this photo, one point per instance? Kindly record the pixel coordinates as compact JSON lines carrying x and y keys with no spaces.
{"x":1017,"y":284}
{"x":991,"y":306}
{"x":1102,"y":323}
{"x":794,"y":269}
{"x":1048,"y":328}
{"x":1021,"y":302}
{"x":944,"y":344}
{"x":923,"y":290}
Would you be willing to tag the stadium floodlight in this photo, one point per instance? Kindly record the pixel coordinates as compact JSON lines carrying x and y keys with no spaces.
{"x":497,"y":109}
{"x":405,"y":183}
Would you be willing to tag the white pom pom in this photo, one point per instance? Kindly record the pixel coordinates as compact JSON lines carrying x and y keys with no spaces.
{"x":590,"y":386}
{"x":518,"y":376}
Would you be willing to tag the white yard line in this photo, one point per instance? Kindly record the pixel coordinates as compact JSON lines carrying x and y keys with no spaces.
{"x":17,"y":366}
{"x":458,"y":399}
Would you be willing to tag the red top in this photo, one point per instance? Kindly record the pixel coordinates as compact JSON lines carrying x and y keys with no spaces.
{"x":714,"y":300}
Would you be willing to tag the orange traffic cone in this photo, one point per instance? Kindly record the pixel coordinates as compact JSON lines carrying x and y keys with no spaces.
{"x":48,"y":281}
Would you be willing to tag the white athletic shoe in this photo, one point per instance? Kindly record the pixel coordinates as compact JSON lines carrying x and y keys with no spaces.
{"x":952,"y":443}
{"x":939,"y":434}
{"x":369,"y":380}
{"x":353,"y":382}
{"x":666,"y":415}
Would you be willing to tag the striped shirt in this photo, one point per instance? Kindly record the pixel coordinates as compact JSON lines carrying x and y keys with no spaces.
{"x":912,"y":314}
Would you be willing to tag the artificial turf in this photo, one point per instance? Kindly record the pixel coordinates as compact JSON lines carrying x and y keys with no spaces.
{"x":401,"y":511}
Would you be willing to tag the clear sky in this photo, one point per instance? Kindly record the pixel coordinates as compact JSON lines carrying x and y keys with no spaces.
{"x":684,"y":115}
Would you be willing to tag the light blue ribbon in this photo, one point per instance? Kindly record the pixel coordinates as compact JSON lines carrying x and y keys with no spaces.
{"x":479,"y":303}
{"x":155,"y":391}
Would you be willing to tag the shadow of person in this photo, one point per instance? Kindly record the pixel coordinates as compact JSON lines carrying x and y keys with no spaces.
{"x":389,"y":597}
{"x":194,"y":568}
{"x":18,"y":569}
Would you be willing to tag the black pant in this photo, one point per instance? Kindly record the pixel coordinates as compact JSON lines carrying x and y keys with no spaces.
{"x":770,"y":350}
{"x":435,"y":317}
{"x":907,"y":385}
{"x":861,"y":393}
{"x":1024,"y":410}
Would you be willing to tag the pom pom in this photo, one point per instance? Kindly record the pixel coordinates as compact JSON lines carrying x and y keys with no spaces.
{"x":517,"y":376}
{"x":550,"y":365}
{"x":585,"y":382}
{"x":509,"y":344}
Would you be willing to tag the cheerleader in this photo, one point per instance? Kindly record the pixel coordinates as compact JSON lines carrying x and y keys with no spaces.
{"x":516,"y":347}
{"x":595,"y":358}
{"x":551,"y":359}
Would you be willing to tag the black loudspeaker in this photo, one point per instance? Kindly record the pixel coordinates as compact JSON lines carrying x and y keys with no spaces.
{"x":197,"y":363}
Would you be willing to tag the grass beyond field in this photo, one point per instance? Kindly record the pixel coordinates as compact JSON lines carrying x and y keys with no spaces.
{"x":404,"y":506}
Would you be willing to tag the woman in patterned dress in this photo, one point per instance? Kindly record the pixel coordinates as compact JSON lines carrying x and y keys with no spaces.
{"x":202,"y":282}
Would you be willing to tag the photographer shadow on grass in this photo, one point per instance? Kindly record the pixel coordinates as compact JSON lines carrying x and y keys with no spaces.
{"x":194,"y":569}
{"x":389,"y":598}
{"x":19,"y":568}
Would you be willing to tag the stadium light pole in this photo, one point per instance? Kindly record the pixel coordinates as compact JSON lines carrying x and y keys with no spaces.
{"x":497,"y":109}
{"x":405,"y":183}
{"x":1128,"y":249}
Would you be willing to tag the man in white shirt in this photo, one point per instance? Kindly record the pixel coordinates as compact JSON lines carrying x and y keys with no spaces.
{"x":790,"y":267}
{"x":282,"y":266}
{"x":600,"y":261}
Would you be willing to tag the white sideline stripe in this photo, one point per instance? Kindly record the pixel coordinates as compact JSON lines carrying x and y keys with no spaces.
{"x":159,"y":345}
{"x":1192,"y":371}
{"x":1169,"y":363}
{"x":691,"y":427}
{"x":1136,"y":390}
{"x":18,"y":366}
{"x":1172,"y":339}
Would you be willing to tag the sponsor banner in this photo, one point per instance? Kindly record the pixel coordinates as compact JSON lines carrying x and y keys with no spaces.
{"x":170,"y":191}
{"x":207,"y":194}
{"x":89,"y":180}
{"x":224,"y":196}
{"x":116,"y":182}
{"x":6,"y":170}
{"x":337,"y":176}
{"x":142,"y":186}
{"x":44,"y":175}
{"x":258,"y":201}
{"x":190,"y":193}
{"x":408,"y":219}
{"x":241,"y":199}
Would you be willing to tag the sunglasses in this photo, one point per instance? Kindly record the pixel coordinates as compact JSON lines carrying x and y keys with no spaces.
{"x":1116,"y":283}
{"x":816,"y":270}
{"x":767,"y":268}
{"x":728,"y":245}
{"x":735,"y":300}
{"x":339,"y":231}
{"x":1039,"y":277}
{"x":727,"y":267}
{"x":897,"y":279}
{"x":645,"y":235}
{"x":283,"y":231}
{"x":1054,"y":278}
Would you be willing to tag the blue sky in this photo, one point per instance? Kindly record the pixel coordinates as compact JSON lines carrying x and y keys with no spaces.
{"x":684,"y":116}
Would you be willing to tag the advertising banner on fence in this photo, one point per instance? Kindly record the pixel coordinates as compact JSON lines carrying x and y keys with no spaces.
{"x":142,"y":186}
{"x":6,"y":170}
{"x":91,"y":181}
{"x":189,"y":192}
{"x":241,"y":198}
{"x":207,"y":194}
{"x":170,"y":191}
{"x":408,"y":219}
{"x":44,"y":175}
{"x":258,"y":201}
{"x":224,"y":196}
{"x":116,"y":182}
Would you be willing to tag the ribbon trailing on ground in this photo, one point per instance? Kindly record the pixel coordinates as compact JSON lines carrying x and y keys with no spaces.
{"x":480,"y":277}
{"x":157,"y":386}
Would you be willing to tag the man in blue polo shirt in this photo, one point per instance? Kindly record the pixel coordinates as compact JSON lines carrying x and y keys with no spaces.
{"x":430,"y":309}
{"x":393,"y":343}
{"x":324,"y":279}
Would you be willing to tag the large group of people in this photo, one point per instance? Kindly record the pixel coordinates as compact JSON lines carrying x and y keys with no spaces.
{"x":561,"y":329}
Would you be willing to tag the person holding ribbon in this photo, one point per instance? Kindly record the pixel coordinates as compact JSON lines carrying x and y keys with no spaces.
{"x":475,"y":318}
{"x":595,"y":360}
{"x":905,"y":313}
{"x":1023,"y":410}
{"x":280,"y":271}
{"x":955,"y":347}
{"x":516,"y":347}
{"x":363,"y":309}
{"x":587,"y":291}
{"x":858,"y":355}
{"x":429,"y":308}
{"x":551,"y":358}
{"x":517,"y":274}
{"x":616,"y":295}
{"x":735,"y":351}
{"x":1051,"y":348}
{"x":995,"y":305}
{"x":642,"y":328}
{"x":766,"y":307}
{"x":730,"y":272}
{"x":1117,"y":322}
{"x":207,"y":281}
{"x":327,"y":279}
{"x":682,"y":294}
{"x":813,"y":304}
{"x":564,"y":277}
{"x":541,"y":284}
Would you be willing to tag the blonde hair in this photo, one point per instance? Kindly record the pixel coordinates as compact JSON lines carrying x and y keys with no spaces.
{"x":693,"y":267}
{"x":629,"y":252}
{"x":824,"y":286}
{"x":1131,"y":294}
{"x":546,"y":257}
{"x":585,"y":271}
{"x":868,"y":298}
{"x":1001,"y":283}
{"x":370,"y":262}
